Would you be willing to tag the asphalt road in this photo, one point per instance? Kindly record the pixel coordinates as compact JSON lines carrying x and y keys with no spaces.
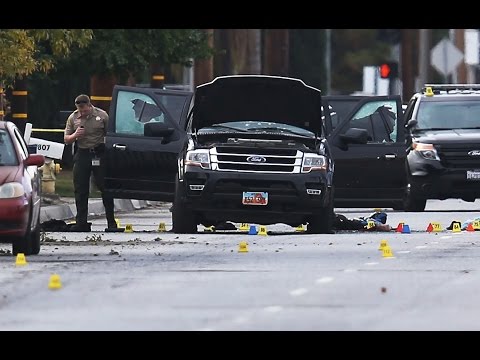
{"x":147,"y":280}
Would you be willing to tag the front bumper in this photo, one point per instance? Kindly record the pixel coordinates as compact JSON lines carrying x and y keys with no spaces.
{"x":14,"y":214}
{"x":288,"y":200}
{"x":432,"y":180}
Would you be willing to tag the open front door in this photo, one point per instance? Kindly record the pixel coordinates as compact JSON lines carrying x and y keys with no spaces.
{"x":371,"y":174}
{"x":146,"y":132}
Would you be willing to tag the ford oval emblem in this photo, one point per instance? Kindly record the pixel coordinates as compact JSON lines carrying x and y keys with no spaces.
{"x":258,"y":159}
{"x":474,"y":153}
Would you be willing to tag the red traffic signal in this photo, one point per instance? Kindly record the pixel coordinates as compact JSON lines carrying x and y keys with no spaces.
{"x":388,"y":70}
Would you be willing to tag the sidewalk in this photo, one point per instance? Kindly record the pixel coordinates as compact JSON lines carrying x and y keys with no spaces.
{"x":64,"y":208}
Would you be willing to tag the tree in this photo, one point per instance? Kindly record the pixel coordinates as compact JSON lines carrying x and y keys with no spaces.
{"x":126,"y":52}
{"x":25,"y":51}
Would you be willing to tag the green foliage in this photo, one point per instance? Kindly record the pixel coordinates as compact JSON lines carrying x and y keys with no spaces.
{"x":125,"y":52}
{"x":352,"y":50}
{"x":25,"y":51}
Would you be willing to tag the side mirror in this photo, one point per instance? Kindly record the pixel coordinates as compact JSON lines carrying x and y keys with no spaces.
{"x":158,"y":129}
{"x":355,"y":136}
{"x":35,"y":160}
{"x":411,"y":123}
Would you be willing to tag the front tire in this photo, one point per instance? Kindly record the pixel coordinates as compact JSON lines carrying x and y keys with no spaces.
{"x":184,"y":220}
{"x":413,"y":201}
{"x":322,"y":221}
{"x":29,"y":244}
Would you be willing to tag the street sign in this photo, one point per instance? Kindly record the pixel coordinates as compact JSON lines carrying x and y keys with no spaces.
{"x":472,"y":47}
{"x":445,"y":57}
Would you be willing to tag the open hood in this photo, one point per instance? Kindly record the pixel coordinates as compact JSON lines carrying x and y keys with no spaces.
{"x":263,"y":98}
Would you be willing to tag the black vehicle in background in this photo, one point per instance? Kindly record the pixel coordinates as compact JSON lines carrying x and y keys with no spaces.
{"x":443,"y":144}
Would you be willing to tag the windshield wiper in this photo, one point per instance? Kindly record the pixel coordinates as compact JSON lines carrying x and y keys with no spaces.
{"x":279,"y":130}
{"x":226,"y":127}
{"x":431,"y":129}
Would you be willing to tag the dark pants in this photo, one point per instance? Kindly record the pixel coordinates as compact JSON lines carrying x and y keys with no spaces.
{"x":82,"y":169}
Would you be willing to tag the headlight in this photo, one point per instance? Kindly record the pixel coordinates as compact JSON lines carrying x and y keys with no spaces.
{"x":427,"y":151}
{"x":313,"y":162}
{"x":198,"y":158}
{"x":11,"y":190}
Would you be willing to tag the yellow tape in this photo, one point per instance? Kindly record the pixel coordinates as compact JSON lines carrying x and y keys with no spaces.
{"x":101,"y":98}
{"x":48,"y":130}
{"x":20,"y":92}
{"x":158,"y":77}
{"x":19,"y":116}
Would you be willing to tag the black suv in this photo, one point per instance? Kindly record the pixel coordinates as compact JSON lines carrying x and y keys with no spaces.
{"x":254,"y":154}
{"x":443,"y":144}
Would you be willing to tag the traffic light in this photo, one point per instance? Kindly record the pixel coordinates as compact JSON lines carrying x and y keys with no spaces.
{"x":388,"y":70}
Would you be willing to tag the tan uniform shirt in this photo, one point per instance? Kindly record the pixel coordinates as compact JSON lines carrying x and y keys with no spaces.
{"x":95,"y":127}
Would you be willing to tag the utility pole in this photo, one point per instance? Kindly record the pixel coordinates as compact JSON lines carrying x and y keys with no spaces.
{"x":19,"y":104}
{"x":276,"y":52}
{"x":254,"y":51}
{"x":408,"y":75}
{"x":328,"y":59}
{"x":101,"y":88}
{"x":2,"y":101}
{"x":423,"y":56}
{"x":459,"y":41}
{"x":203,"y":68}
{"x":157,"y":76}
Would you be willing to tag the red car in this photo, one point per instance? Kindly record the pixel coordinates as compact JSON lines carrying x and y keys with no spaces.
{"x":19,"y":192}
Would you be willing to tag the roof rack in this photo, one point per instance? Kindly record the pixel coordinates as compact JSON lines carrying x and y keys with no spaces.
{"x":437,"y":88}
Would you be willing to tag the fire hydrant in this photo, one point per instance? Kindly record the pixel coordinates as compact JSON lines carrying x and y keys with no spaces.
{"x":49,"y":169}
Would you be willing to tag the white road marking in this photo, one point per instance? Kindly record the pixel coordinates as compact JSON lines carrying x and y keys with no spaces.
{"x":273,"y":309}
{"x":446,"y":237}
{"x":433,"y":242}
{"x":240,"y":319}
{"x":324,"y":280}
{"x":421,"y":247}
{"x":403,"y":252}
{"x":206,"y":329}
{"x":298,"y":292}
{"x":371,"y":263}
{"x":350,"y":270}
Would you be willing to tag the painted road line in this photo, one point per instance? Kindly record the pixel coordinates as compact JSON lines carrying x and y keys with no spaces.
{"x":324,"y":280}
{"x":273,"y":309}
{"x":298,"y":292}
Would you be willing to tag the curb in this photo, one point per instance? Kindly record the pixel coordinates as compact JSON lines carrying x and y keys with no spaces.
{"x":95,"y":208}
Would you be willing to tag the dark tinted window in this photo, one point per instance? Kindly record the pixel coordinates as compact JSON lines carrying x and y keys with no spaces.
{"x":174,"y":105}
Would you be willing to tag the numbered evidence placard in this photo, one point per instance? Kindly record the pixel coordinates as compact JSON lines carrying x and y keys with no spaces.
{"x":47,"y":148}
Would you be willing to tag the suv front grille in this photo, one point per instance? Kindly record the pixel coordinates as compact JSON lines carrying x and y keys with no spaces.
{"x":245,"y":159}
{"x":456,"y":156}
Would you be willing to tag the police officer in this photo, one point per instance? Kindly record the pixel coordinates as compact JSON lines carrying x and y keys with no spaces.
{"x":87,"y":126}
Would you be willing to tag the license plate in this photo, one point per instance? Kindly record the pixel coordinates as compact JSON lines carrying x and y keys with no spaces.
{"x":254,"y":198}
{"x":473,"y":175}
{"x":95,"y":162}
